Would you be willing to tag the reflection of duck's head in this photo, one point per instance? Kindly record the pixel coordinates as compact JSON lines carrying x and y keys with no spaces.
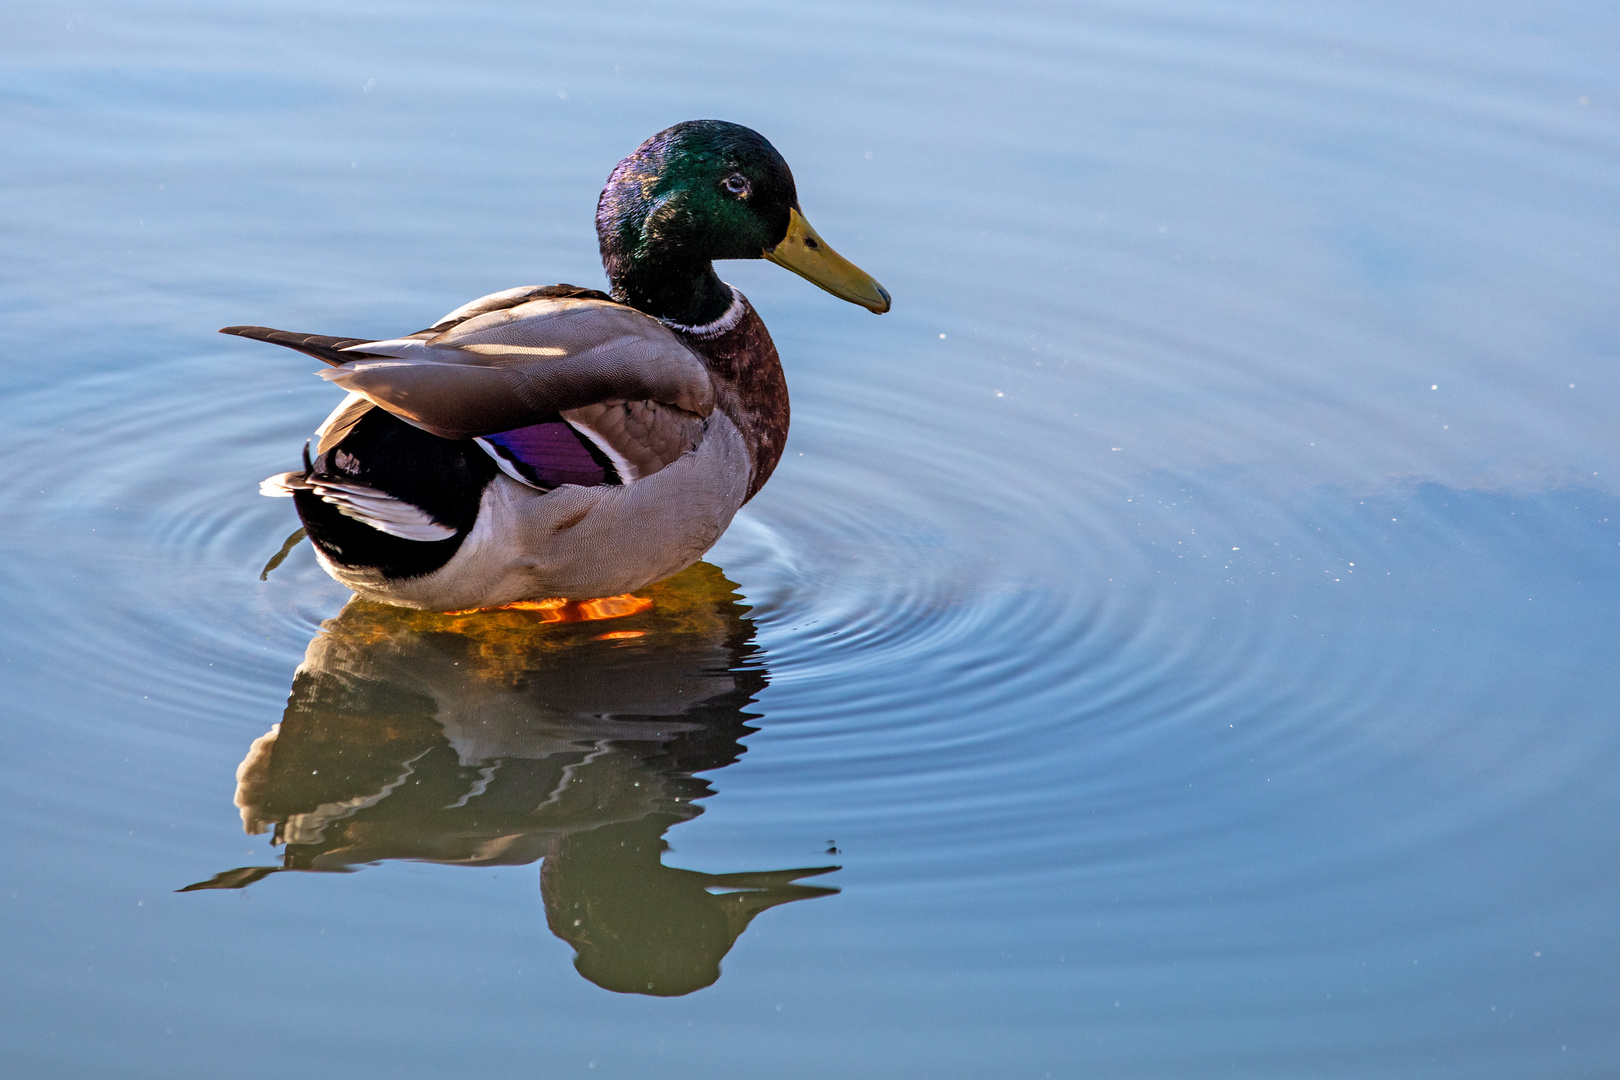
{"x":645,"y":928}
{"x":506,"y":737}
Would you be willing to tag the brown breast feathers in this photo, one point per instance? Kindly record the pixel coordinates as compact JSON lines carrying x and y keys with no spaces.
{"x":750,"y":386}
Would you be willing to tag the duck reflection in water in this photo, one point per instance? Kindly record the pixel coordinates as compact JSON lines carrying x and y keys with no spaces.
{"x":505,"y":737}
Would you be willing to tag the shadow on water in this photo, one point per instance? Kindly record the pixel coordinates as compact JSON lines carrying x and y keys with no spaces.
{"x":506,"y":738}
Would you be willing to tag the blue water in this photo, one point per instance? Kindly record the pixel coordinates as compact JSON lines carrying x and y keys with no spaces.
{"x":1185,"y":620}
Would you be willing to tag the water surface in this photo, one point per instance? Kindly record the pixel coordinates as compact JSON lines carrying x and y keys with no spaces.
{"x":1185,"y":622}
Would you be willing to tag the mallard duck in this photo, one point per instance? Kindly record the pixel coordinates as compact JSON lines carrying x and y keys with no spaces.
{"x":560,"y":442}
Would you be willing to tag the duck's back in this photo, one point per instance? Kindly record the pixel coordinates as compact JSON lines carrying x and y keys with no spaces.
{"x":537,"y":443}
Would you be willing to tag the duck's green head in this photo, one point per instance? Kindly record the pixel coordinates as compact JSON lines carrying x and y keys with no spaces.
{"x":707,"y":190}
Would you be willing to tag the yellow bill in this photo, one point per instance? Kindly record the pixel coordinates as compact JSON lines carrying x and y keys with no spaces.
{"x":808,"y":255}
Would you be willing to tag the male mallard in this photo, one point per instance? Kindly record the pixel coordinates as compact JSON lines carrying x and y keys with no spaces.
{"x":555,"y":441}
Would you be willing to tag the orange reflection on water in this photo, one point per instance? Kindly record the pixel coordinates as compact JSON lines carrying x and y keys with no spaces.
{"x":555,"y":609}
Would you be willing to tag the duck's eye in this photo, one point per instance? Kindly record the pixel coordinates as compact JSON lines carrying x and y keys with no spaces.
{"x":737,"y":184}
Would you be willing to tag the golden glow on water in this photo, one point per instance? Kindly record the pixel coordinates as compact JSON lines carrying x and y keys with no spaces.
{"x":556,"y":609}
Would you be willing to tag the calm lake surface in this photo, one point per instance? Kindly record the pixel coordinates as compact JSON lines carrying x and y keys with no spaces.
{"x":1187,"y":622}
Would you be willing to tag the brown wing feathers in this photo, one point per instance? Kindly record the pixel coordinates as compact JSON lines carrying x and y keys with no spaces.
{"x":512,"y":298}
{"x":640,"y":436}
{"x":510,"y":360}
{"x":503,"y":369}
{"x":320,"y":346}
{"x":329,"y":349}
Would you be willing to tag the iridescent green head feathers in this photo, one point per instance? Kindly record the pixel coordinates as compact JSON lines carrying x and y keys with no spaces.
{"x":701,"y":191}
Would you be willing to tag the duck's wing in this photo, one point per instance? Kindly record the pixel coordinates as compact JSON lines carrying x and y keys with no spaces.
{"x":510,"y":298}
{"x":331,"y":349}
{"x":515,"y":366}
{"x":530,"y":356}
